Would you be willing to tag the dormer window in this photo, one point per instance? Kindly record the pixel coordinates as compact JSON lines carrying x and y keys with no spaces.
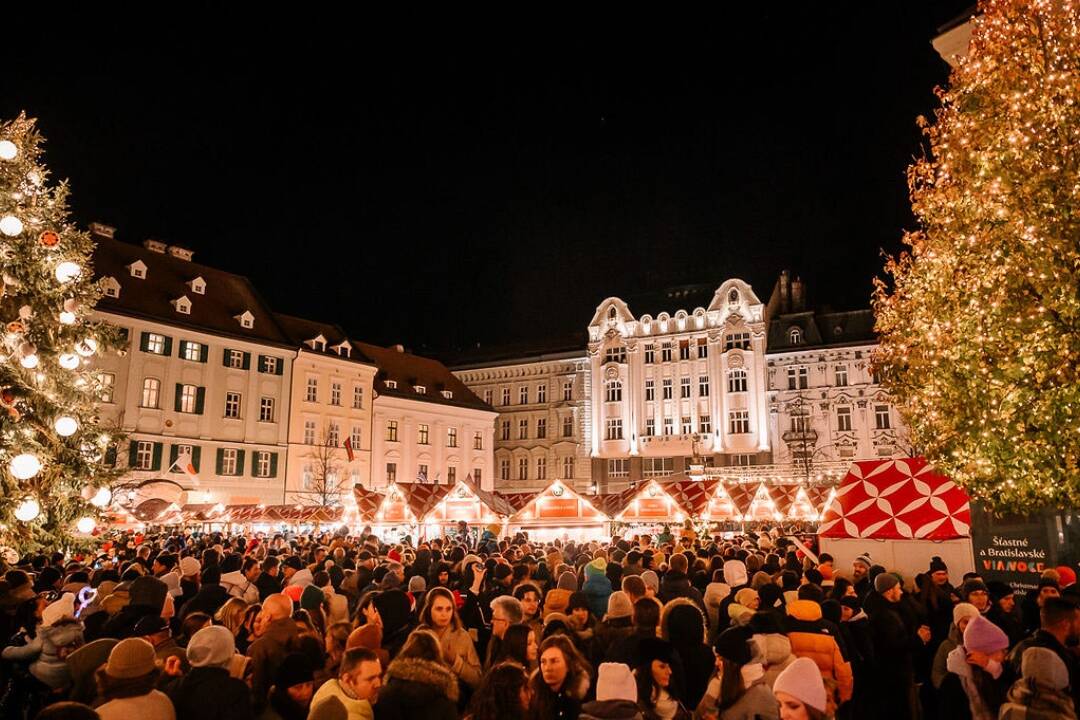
{"x":317,"y":343}
{"x":198,"y":286}
{"x":795,"y":336}
{"x":111,"y":287}
{"x":344,"y":349}
{"x":138,"y":269}
{"x":391,"y":384}
{"x":448,"y":394}
{"x":182,"y":305}
{"x":419,"y":389}
{"x":246,"y":319}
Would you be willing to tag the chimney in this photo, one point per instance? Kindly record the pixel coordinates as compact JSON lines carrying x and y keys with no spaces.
{"x":154,"y":246}
{"x":398,"y":348}
{"x":785,"y":292}
{"x":180,"y":253}
{"x":102,"y":231}
{"x":798,"y":295}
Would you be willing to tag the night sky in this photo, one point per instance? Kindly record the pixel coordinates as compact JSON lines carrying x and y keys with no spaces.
{"x":454,"y":188}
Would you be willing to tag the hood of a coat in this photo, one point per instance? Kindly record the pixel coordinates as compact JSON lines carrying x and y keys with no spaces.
{"x":735,"y":573}
{"x":426,"y":672}
{"x":678,"y":620}
{"x":804,"y":610}
{"x":715,"y":593}
{"x":775,"y":647}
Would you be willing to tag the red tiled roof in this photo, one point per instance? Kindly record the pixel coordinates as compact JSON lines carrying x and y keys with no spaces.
{"x":167,"y":278}
{"x":408,"y":370}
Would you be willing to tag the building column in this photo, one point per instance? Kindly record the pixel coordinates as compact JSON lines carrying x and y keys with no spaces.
{"x":719,"y":389}
{"x":632,"y":395}
{"x":757,"y":389}
{"x":597,"y":398}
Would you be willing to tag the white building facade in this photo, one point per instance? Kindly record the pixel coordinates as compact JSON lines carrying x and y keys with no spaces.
{"x":544,"y":425}
{"x":205,"y":376}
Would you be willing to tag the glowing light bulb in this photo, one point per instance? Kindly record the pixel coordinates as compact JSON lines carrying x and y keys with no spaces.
{"x":29,"y":362}
{"x":66,"y":425}
{"x":8,"y":150}
{"x":87,"y":347}
{"x":25,"y":466}
{"x":67,"y":318}
{"x":68,"y":271}
{"x":11,"y":225}
{"x":28,"y":510}
{"x":86,"y":525}
{"x":69,"y":361}
{"x":102,"y":497}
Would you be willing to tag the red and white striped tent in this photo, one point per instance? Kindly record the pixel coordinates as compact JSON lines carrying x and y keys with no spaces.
{"x":560,"y":505}
{"x":649,"y":502}
{"x":901,"y":499}
{"x":466,"y":502}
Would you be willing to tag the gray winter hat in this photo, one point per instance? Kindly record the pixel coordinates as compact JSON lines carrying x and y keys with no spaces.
{"x":212,"y":646}
{"x":1045,"y":667}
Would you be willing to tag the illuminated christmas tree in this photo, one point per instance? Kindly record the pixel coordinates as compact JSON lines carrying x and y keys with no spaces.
{"x":53,"y":452}
{"x":980,"y":320}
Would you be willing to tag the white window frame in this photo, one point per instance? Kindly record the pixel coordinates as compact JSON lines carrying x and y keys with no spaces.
{"x":650,"y":391}
{"x":144,"y":455}
{"x":523,"y":429}
{"x":266,"y":409}
{"x":262,"y":464}
{"x":568,"y":467}
{"x":843,"y":418}
{"x":196,"y":355}
{"x":541,"y":468}
{"x":684,"y":388}
{"x":667,"y":389}
{"x":840,"y":375}
{"x":311,"y":391}
{"x":882,"y":417}
{"x":335,"y":393}
{"x":233,"y":401}
{"x":737,"y":380}
{"x":739,"y":422}
{"x":229,"y":458}
{"x":333,"y":434}
{"x":358,"y":397}
{"x":155,"y":343}
{"x":451,"y":437}
{"x":618,"y":467}
{"x":423,"y":434}
{"x":705,"y":424}
{"x":107,"y":381}
{"x":613,"y":391}
{"x":270,"y":364}
{"x":541,"y":393}
{"x":504,"y":469}
{"x":310,"y":429}
{"x":236,"y":359}
{"x":356,"y":437}
{"x":568,"y":424}
{"x":523,"y":395}
{"x":541,"y":428}
{"x":478,"y":440}
{"x":568,"y":391}
{"x":703,"y":386}
{"x":523,"y":468}
{"x":391,"y":431}
{"x":614,"y":429}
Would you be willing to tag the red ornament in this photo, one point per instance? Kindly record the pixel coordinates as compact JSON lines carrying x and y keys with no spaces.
{"x":49,"y":239}
{"x":16,"y":327}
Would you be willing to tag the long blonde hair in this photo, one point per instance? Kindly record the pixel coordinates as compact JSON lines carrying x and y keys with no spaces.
{"x":231,"y":614}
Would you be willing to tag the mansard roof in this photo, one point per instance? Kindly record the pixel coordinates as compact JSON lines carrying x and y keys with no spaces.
{"x":821,"y":330}
{"x":227,"y":294}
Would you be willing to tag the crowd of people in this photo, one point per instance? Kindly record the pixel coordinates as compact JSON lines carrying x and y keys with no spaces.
{"x":200,"y":626}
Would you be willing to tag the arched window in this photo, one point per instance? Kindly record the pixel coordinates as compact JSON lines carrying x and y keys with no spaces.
{"x":795,"y":335}
{"x":612,"y":313}
{"x":614,"y":391}
{"x":733,"y":297}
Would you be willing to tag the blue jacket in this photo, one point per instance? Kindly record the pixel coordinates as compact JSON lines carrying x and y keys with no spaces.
{"x":597,"y":588}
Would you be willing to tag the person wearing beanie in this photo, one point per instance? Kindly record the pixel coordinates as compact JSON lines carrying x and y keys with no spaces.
{"x":558,"y":598}
{"x":1042,"y":692}
{"x":617,"y":623}
{"x":312,"y":598}
{"x":963,"y":613}
{"x":616,"y":695}
{"x":860,"y":575}
{"x":975,"y":681}
{"x":812,"y":637}
{"x":975,"y":592}
{"x":56,"y":635}
{"x":715,"y":593}
{"x":294,"y":573}
{"x":652,"y":582}
{"x":936,"y":595}
{"x":207,"y":691}
{"x":750,"y":697}
{"x":293,"y":688}
{"x":597,"y":587}
{"x":659,"y":679}
{"x":1035,"y":600}
{"x":126,"y":684}
{"x":800,"y":692}
{"x":1066,"y":576}
{"x":1003,"y":611}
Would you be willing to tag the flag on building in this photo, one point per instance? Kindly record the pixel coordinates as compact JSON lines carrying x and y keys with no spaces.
{"x":186,"y":465}
{"x":349,"y":449}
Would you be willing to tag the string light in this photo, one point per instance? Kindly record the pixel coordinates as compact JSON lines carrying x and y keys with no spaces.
{"x":86,"y":525}
{"x":11,"y":225}
{"x":68,"y":271}
{"x":8,"y":150}
{"x":66,"y":426}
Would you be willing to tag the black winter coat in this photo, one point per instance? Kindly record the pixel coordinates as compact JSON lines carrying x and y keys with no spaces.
{"x":895,"y":645}
{"x":418,"y":689}
{"x":209,"y":693}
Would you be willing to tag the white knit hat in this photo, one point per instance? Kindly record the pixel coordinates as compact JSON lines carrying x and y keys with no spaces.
{"x":802,"y":680}
{"x":189,"y":566}
{"x":58,"y":610}
{"x":213,"y":646}
{"x":614,"y":681}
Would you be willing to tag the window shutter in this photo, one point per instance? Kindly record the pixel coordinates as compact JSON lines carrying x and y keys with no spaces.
{"x":273,"y":465}
{"x":183,"y":350}
{"x":179,"y":395}
{"x":133,"y":452}
{"x":125,"y":334}
{"x":225,"y":357}
{"x":204,"y":350}
{"x":196,"y":454}
{"x":144,"y":342}
{"x":200,"y":400}
{"x":168,"y":347}
{"x":280,"y":366}
{"x":157,"y":457}
{"x":110,"y":456}
{"x":220,"y":459}
{"x":247,"y":361}
{"x":262,"y":363}
{"x":239,"y":462}
{"x":174,"y":452}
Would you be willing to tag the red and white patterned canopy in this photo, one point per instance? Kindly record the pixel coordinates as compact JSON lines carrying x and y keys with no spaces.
{"x":897,"y":499}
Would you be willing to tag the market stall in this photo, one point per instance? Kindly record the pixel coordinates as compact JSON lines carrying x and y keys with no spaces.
{"x":465,"y":502}
{"x":646,"y":508}
{"x":559,"y":512}
{"x":903,"y":513}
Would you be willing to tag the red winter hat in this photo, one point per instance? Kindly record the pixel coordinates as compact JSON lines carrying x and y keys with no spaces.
{"x":1067,"y":576}
{"x":394,"y":555}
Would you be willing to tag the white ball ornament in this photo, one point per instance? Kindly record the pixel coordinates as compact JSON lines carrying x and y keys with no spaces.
{"x":8,"y":150}
{"x":66,"y":426}
{"x":29,"y":361}
{"x":25,"y":466}
{"x":28,"y":510}
{"x":68,"y":271}
{"x":86,"y":525}
{"x":11,"y":225}
{"x":67,"y":318}
{"x":102,"y":497}
{"x":69,"y":361}
{"x":87,"y":347}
